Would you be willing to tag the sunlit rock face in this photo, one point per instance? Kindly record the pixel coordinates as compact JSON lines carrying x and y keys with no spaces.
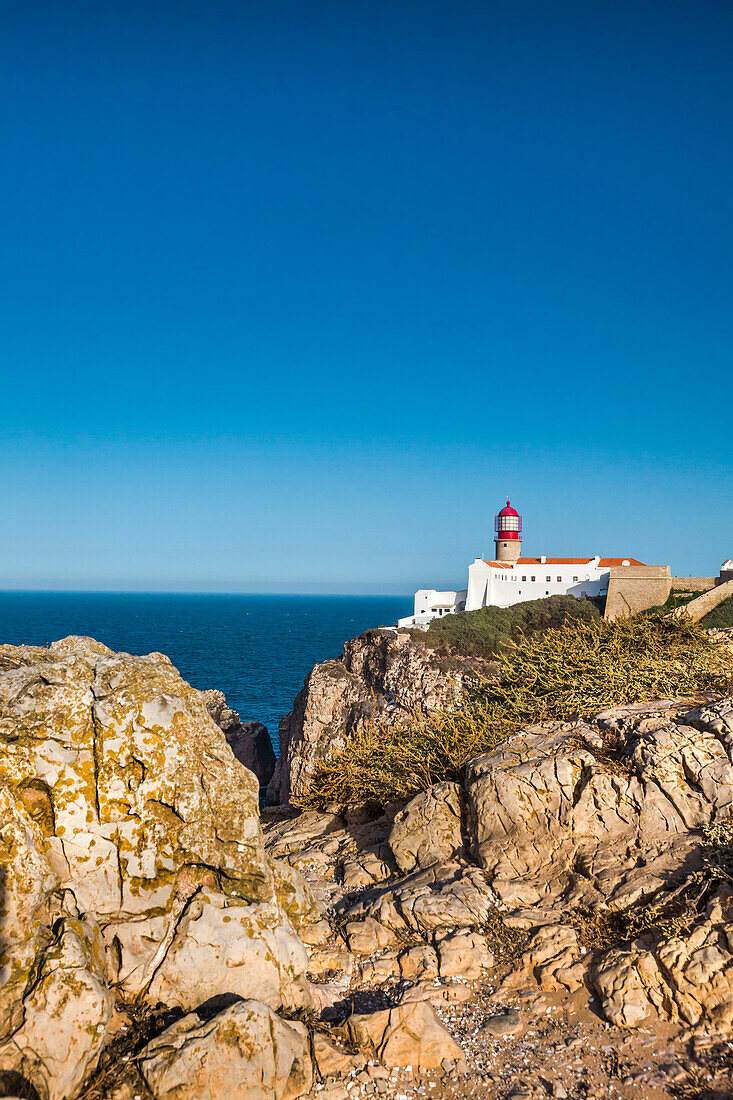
{"x":131,"y":853}
{"x":382,"y":675}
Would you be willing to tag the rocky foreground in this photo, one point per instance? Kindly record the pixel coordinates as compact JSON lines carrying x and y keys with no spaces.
{"x":560,"y":923}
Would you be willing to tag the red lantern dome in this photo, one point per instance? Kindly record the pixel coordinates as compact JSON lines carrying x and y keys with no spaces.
{"x":508,"y":523}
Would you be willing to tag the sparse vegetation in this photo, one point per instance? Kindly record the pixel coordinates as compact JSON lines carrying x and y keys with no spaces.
{"x":721,"y":616}
{"x":581,"y":667}
{"x":486,"y":631}
{"x":673,"y":912}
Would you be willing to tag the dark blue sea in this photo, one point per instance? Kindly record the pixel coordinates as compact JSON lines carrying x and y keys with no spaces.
{"x":256,"y":649}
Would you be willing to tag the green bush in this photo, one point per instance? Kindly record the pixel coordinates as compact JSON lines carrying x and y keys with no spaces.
{"x":579,"y":668}
{"x":721,"y":616}
{"x":485,"y":632}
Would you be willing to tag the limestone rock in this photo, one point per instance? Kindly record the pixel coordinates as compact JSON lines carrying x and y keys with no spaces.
{"x":370,"y":867}
{"x":408,"y":1035}
{"x":428,"y":830}
{"x":453,"y":895}
{"x":131,"y":853}
{"x":687,"y":977}
{"x":382,"y":675}
{"x":419,"y":962}
{"x":66,"y":1012}
{"x":245,"y":1052}
{"x":27,"y":879}
{"x":556,"y":957}
{"x":554,"y":816}
{"x":330,"y":1059}
{"x":249,"y":741}
{"x":220,"y":948}
{"x":464,"y":955}
{"x":367,"y":936}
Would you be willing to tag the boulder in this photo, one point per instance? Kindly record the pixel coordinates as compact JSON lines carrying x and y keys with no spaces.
{"x":245,"y":1052}
{"x":331,"y":1060}
{"x":428,"y":830}
{"x":464,"y":955}
{"x":687,"y":977}
{"x":219,"y":947}
{"x":449,"y":896}
{"x":65,"y":1011}
{"x":367,"y":936}
{"x":131,"y":853}
{"x":556,"y":957}
{"x":418,"y":963}
{"x":249,"y":741}
{"x":597,"y":815}
{"x":409,"y":1035}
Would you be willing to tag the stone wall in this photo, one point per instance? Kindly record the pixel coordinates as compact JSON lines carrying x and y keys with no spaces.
{"x":698,"y":609}
{"x":693,"y":584}
{"x":633,"y":588}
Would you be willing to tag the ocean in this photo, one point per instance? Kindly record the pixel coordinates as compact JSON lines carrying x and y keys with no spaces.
{"x":256,"y":649}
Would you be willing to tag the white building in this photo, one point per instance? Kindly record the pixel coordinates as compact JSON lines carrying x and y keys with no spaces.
{"x":510,"y":578}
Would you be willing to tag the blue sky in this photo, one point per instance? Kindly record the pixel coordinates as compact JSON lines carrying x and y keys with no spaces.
{"x":294,"y":294}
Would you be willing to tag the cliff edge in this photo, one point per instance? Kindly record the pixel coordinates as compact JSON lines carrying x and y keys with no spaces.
{"x":384,"y":674}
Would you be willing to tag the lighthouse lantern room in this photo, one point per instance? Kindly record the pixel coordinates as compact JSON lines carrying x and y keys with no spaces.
{"x":508,"y":529}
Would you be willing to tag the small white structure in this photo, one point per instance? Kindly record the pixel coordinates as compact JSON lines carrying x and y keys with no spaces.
{"x":510,"y":579}
{"x":430,"y":604}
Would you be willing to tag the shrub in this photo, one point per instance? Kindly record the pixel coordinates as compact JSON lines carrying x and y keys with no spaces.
{"x":485,"y":632}
{"x":579,"y":668}
{"x":721,"y":616}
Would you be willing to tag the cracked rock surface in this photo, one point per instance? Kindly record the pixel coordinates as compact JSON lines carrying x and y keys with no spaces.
{"x":132,"y":855}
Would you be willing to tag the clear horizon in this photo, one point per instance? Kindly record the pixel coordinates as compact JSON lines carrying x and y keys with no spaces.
{"x":294,"y":298}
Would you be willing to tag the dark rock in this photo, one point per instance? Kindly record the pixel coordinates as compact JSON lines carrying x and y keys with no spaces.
{"x":249,"y":741}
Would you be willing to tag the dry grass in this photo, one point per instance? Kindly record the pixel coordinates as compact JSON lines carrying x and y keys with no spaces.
{"x":579,"y":668}
{"x":670,"y":913}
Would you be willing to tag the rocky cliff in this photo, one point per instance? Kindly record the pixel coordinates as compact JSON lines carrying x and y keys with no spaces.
{"x":150,"y":944}
{"x":556,"y":923}
{"x":382,"y":675}
{"x":132,"y":858}
{"x":249,"y":741}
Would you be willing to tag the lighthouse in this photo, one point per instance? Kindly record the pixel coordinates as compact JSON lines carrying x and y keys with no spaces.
{"x":508,"y":528}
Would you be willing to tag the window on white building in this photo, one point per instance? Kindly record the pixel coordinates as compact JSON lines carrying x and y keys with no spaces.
{"x":532,"y":578}
{"x":575,"y":578}
{"x":559,"y":580}
{"x":524,"y":578}
{"x":548,"y":578}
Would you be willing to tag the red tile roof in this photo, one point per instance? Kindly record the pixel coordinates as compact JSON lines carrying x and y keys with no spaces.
{"x":604,"y":563}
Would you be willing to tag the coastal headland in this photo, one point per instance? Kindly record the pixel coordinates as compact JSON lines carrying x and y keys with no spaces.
{"x":497,"y":870}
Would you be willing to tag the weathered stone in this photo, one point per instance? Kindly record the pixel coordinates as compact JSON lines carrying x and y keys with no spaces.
{"x":552,"y":818}
{"x":555,"y":957}
{"x":249,"y":741}
{"x":367,"y":936}
{"x":428,"y":830}
{"x":223,"y":948}
{"x":65,"y":1012}
{"x":331,"y":1060}
{"x":382,"y":967}
{"x":27,"y":879}
{"x":121,"y":800}
{"x":382,"y":675}
{"x":452,"y":895}
{"x":408,"y":1035}
{"x":464,"y":955}
{"x":365,"y":871}
{"x":687,"y":977}
{"x":506,"y":1023}
{"x":419,"y":963}
{"x":245,"y":1052}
